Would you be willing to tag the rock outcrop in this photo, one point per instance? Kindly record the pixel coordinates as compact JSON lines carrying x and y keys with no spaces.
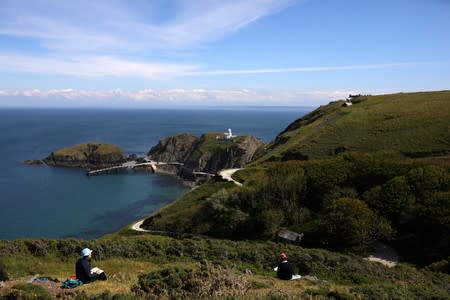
{"x":209,"y":153}
{"x":92,"y":155}
{"x":174,"y":148}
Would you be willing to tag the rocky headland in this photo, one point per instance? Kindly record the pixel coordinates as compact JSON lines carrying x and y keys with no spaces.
{"x":207,"y":154}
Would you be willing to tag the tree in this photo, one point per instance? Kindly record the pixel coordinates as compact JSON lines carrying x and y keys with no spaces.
{"x":225,"y":218}
{"x":351,"y":223}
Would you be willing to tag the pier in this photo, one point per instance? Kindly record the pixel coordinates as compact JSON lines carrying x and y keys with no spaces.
{"x":131,"y":165}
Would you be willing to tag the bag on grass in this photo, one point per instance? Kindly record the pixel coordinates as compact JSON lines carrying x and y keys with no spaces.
{"x":71,"y":283}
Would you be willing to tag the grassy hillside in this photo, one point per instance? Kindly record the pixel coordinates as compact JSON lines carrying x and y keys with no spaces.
{"x":415,"y":124}
{"x":184,"y":214}
{"x":153,"y":267}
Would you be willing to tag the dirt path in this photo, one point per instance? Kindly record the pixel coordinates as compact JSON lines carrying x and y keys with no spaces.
{"x":227,"y":173}
{"x":384,"y":255}
{"x":137,"y":226}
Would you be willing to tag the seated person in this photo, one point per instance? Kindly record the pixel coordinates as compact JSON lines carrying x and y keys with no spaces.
{"x":83,"y":269}
{"x":284,"y":269}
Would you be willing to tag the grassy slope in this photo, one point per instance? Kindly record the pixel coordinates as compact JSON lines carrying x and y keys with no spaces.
{"x":407,"y":123}
{"x":79,"y":149}
{"x":209,"y":144}
{"x":124,"y":258}
{"x":182,"y":210}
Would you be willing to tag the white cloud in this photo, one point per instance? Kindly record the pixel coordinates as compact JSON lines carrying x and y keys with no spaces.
{"x":126,"y":26}
{"x":102,"y":66}
{"x":173,"y":97}
{"x":308,"y":69}
{"x":95,"y":66}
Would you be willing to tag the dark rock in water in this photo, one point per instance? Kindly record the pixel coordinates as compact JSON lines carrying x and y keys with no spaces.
{"x":36,"y":162}
{"x":291,"y":237}
{"x":92,"y":155}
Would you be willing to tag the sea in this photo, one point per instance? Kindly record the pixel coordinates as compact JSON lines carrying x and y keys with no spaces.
{"x":56,"y":202}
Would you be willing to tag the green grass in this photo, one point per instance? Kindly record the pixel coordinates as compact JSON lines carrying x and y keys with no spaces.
{"x":248,"y":174}
{"x":409,"y":123}
{"x":182,"y":211}
{"x":208,"y":144}
{"x":80,"y":149}
{"x":125,"y":259}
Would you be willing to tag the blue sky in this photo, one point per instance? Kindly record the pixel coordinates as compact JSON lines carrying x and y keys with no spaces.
{"x":169,"y":53}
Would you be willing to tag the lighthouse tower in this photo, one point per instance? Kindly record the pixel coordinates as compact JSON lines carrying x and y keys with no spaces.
{"x":229,"y":135}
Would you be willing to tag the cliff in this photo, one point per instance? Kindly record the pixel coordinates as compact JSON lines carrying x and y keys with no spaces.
{"x":209,"y":153}
{"x":90,"y":155}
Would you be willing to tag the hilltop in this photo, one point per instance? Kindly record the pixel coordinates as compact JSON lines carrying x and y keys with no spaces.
{"x":413,"y":124}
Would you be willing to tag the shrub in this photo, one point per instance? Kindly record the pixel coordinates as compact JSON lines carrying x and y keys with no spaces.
{"x":351,"y":223}
{"x":3,"y":274}
{"x":203,"y":281}
{"x":32,"y":291}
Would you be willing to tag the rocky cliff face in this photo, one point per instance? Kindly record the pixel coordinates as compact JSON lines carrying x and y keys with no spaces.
{"x":91,"y":155}
{"x":209,"y":153}
{"x":174,"y":148}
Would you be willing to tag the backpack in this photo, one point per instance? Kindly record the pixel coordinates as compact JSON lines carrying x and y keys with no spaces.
{"x":71,"y":283}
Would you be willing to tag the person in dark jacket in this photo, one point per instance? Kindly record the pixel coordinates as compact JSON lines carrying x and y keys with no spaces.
{"x":285,"y":270}
{"x":83,"y":269}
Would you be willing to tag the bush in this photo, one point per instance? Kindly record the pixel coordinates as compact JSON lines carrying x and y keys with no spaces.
{"x":3,"y":274}
{"x":203,"y":281}
{"x":32,"y":291}
{"x":351,"y":223}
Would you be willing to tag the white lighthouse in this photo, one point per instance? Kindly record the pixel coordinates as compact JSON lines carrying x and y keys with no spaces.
{"x":229,"y":135}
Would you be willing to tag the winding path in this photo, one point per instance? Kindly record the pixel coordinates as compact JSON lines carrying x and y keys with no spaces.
{"x":227,"y":173}
{"x":137,"y":226}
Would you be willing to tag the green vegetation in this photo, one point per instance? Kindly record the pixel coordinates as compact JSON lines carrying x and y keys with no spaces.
{"x":30,"y":291}
{"x":182,"y":215}
{"x":209,"y":144}
{"x":415,"y":124}
{"x":3,"y":274}
{"x":342,"y":203}
{"x":161,"y":267}
{"x":80,"y":150}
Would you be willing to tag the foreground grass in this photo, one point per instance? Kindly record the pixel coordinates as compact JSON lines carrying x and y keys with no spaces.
{"x":143,"y":266}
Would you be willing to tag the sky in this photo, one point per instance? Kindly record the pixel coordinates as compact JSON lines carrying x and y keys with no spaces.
{"x":211,"y":53}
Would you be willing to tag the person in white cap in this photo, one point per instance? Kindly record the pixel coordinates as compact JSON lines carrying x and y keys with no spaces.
{"x":83,"y":269}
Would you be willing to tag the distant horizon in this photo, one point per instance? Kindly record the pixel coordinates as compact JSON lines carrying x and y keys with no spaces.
{"x":172,"y":53}
{"x":128,"y":104}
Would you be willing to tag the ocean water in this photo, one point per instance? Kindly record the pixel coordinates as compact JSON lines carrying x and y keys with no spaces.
{"x":41,"y":201}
